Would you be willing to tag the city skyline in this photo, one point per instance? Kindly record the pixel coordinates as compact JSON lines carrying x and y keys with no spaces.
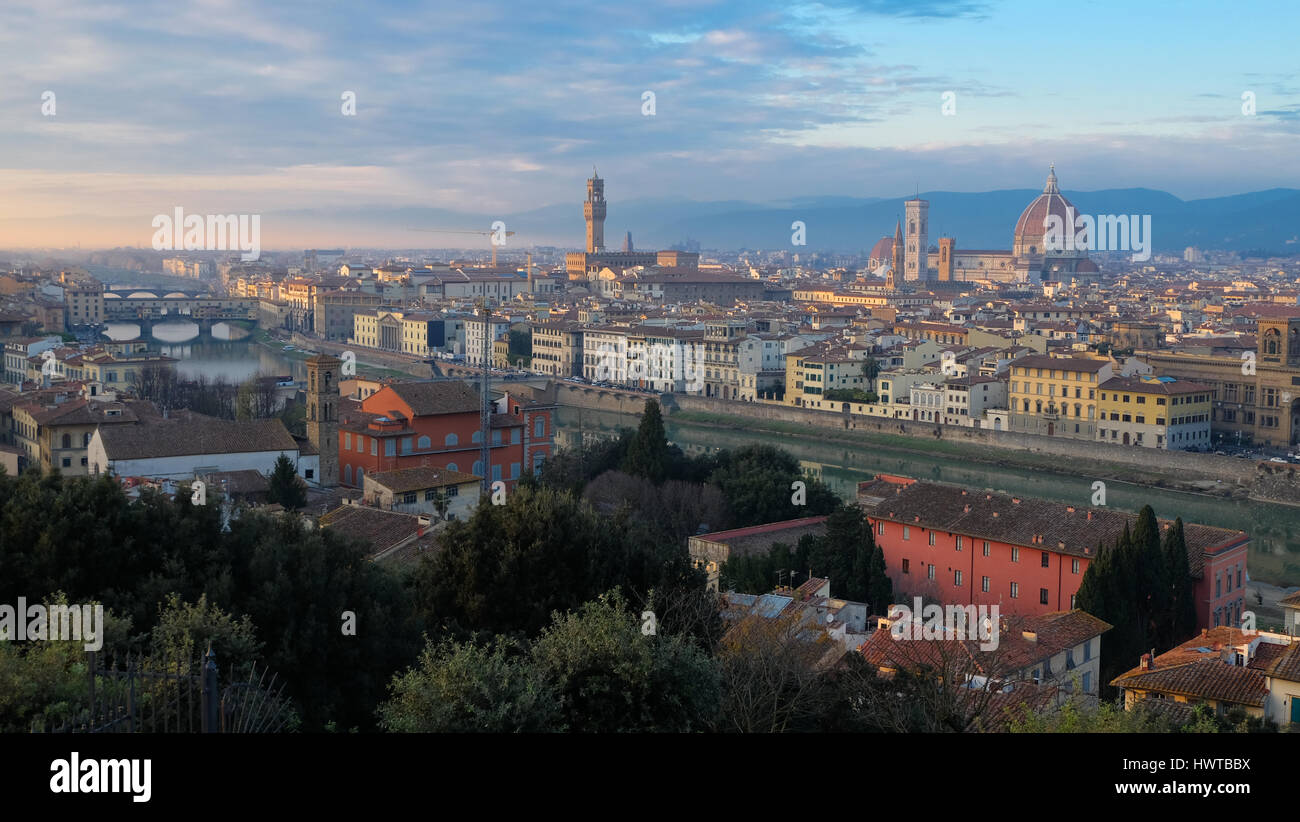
{"x":220,"y":108}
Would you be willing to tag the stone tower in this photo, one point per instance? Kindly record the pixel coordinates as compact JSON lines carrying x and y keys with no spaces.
{"x":323,"y":414}
{"x":594,"y":212}
{"x":945,"y":258}
{"x":897,"y":267}
{"x":917,"y":266}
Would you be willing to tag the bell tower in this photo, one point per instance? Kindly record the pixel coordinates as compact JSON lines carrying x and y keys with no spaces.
{"x":593,"y":210}
{"x":323,"y":414}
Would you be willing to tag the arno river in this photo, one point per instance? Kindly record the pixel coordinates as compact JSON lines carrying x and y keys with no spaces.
{"x":1275,"y":529}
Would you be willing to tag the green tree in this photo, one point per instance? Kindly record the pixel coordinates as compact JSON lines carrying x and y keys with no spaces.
{"x":466,"y":688}
{"x":1153,"y":588}
{"x":300,"y":585}
{"x":592,"y":670}
{"x":758,"y":483}
{"x":612,"y":678}
{"x":286,"y":488}
{"x":507,"y":568}
{"x":648,"y":453}
{"x":1182,"y":599}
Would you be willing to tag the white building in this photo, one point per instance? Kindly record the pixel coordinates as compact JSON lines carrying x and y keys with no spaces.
{"x":184,"y":449}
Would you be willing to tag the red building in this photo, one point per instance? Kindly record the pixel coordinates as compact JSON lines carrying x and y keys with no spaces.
{"x":1028,"y":556}
{"x":436,"y":424}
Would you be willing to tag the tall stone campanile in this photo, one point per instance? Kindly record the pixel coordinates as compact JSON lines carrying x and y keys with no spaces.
{"x":918,"y":240}
{"x":323,"y":414}
{"x":594,"y":212}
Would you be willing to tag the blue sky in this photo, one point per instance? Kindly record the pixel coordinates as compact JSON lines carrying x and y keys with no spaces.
{"x":234,"y":106}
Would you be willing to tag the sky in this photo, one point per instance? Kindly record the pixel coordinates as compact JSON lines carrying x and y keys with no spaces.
{"x":234,"y":106}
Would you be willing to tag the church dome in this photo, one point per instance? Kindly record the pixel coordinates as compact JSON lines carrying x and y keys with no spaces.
{"x":1031,"y":228}
{"x":883,"y":250}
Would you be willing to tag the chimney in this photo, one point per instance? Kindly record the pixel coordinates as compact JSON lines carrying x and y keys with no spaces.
{"x":1030,"y":636}
{"x":965,"y":509}
{"x":1069,"y":509}
{"x":1147,"y":662}
{"x":1015,"y":500}
{"x":1089,"y":516}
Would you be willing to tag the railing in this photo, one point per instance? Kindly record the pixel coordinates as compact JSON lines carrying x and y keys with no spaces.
{"x":144,"y":695}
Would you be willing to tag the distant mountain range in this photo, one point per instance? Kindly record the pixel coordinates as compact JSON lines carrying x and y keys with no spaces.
{"x":1261,"y":220}
{"x":1242,"y":222}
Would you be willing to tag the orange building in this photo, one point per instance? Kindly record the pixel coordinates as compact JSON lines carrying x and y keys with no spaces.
{"x":436,"y":424}
{"x":1027,"y":556}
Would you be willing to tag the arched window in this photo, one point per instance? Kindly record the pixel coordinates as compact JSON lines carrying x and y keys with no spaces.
{"x":1038,"y":406}
{"x":361,"y":476}
{"x":347,"y":475}
{"x":424,"y":443}
{"x":451,"y":466}
{"x":451,"y":439}
{"x":478,"y":468}
{"x":477,"y":437}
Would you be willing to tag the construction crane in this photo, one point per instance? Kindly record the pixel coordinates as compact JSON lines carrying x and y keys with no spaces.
{"x":478,"y":233}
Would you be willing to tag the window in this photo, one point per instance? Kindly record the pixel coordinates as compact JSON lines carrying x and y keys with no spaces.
{"x":1046,"y":563}
{"x":958,"y":542}
{"x":1087,"y":682}
{"x":347,"y":441}
{"x":986,"y":547}
{"x":514,"y":470}
{"x":956,"y":578}
{"x":424,"y":443}
{"x":67,"y":440}
{"x":390,"y":447}
{"x":539,"y":427}
{"x":374,"y":447}
{"x":408,"y":498}
{"x":451,"y":439}
{"x":1087,"y":646}
{"x":1073,"y":599}
{"x":406,"y":445}
{"x":496,"y":473}
{"x":907,"y":532}
{"x":1074,"y":566}
{"x":67,"y":462}
{"x":984,"y":584}
{"x":310,"y":473}
{"x":929,"y":571}
{"x":453,"y":490}
{"x":932,"y":538}
{"x":1015,"y":590}
{"x":1042,"y":596}
{"x":514,"y":436}
{"x":880,"y":528}
{"x":451,"y":466}
{"x":496,"y":436}
{"x":907,"y":566}
{"x":1015,"y":554}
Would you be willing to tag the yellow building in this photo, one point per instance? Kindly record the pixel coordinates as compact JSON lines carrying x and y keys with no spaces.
{"x":1154,"y":412}
{"x":810,"y":373}
{"x":1057,"y":396}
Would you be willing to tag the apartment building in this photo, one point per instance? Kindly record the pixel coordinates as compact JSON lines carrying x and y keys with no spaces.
{"x":436,"y":425}
{"x":966,"y":547}
{"x":557,"y":349}
{"x":1057,"y":396}
{"x":1154,"y":412}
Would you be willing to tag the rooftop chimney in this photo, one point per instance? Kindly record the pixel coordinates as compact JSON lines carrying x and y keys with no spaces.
{"x":1147,"y":662}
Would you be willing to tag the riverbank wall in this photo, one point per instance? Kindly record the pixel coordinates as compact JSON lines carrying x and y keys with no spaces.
{"x":1273,"y":482}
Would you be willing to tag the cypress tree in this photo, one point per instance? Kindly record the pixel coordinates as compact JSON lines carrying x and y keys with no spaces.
{"x":1151,"y":580}
{"x":1182,"y":606}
